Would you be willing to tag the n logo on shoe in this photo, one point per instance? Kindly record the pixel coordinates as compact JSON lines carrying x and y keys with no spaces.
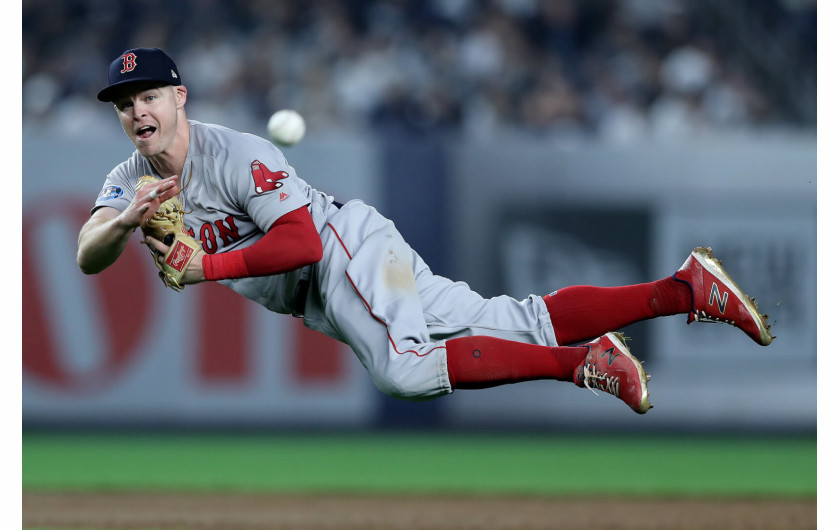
{"x":716,"y":298}
{"x":612,"y":354}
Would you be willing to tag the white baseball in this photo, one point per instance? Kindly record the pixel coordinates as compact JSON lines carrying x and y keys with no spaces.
{"x":286,"y":127}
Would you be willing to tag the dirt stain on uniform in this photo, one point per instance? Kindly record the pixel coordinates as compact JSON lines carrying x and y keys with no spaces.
{"x":397,"y":273}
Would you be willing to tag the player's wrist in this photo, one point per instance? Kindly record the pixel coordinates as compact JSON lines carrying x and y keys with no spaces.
{"x":225,"y":266}
{"x":125,"y":224}
{"x":196,"y":272}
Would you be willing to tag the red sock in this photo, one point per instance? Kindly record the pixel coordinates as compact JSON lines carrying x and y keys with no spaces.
{"x":483,"y":362}
{"x":583,"y":312}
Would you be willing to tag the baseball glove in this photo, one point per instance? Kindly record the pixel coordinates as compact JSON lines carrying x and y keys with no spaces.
{"x":167,"y":225}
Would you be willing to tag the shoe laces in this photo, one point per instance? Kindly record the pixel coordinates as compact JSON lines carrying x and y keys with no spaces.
{"x":592,"y":377}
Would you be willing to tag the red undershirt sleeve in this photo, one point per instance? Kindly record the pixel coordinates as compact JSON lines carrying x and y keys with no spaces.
{"x":291,"y":242}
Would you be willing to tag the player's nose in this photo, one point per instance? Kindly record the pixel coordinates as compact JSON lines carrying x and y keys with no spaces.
{"x":140,"y":108}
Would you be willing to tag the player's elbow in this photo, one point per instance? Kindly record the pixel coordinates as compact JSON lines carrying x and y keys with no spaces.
{"x":91,"y":260}
{"x":98,"y":247}
{"x":86,"y":269}
{"x":313,"y":251}
{"x":86,"y":265}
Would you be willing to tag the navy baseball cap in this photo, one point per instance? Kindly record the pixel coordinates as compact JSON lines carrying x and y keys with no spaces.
{"x":139,"y":64}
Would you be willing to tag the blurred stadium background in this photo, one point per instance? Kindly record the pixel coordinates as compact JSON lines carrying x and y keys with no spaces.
{"x":519,"y":145}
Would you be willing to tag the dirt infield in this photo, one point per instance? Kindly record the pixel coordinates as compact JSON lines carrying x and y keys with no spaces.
{"x":326,"y":512}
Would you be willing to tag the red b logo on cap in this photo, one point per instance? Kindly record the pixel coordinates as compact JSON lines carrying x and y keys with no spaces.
{"x":129,"y":62}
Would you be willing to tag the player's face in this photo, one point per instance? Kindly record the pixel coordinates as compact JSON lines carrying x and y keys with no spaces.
{"x":149,"y":116}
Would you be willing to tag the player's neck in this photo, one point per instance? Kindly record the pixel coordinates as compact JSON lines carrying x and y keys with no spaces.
{"x":171,"y":161}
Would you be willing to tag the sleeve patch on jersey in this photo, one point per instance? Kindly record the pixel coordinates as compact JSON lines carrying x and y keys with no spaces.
{"x":264,"y":179}
{"x":110,"y":192}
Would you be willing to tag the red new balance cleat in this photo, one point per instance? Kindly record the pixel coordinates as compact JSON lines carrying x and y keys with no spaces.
{"x":717,"y":298}
{"x":610,"y":367}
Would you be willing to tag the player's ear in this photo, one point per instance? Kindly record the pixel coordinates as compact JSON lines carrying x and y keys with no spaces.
{"x":180,"y":96}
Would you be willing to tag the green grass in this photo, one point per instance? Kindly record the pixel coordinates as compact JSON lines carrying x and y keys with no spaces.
{"x":550,"y":465}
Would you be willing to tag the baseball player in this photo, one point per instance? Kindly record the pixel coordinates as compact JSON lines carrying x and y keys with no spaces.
{"x":261,"y":230}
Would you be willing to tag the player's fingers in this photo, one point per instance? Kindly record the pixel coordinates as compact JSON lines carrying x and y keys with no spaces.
{"x":167,"y":183}
{"x":161,"y":188}
{"x":165,"y":191}
{"x":154,"y":244}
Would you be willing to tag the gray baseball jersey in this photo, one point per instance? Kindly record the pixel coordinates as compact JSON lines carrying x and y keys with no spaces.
{"x":370,"y":290}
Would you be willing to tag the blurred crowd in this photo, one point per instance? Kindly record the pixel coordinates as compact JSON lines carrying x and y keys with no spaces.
{"x":615,"y":69}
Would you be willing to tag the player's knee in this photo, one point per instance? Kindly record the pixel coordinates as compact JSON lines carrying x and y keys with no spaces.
{"x":398,"y":385}
{"x":391,"y":386}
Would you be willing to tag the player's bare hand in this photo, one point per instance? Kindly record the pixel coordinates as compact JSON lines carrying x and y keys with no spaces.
{"x":194,"y":272}
{"x":146,"y":201}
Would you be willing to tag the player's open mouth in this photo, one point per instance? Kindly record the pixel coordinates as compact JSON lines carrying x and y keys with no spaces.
{"x":145,"y":132}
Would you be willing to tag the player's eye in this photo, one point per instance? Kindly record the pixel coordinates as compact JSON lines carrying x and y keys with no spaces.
{"x":122,"y":106}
